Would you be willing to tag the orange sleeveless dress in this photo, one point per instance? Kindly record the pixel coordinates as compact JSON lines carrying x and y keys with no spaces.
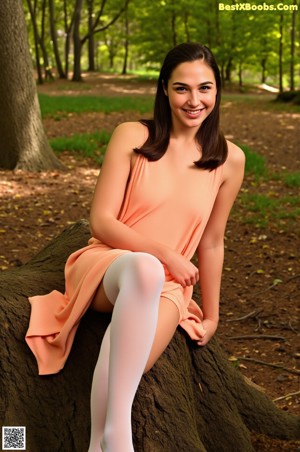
{"x":171,"y":211}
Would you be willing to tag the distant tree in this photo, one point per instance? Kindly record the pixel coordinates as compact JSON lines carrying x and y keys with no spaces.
{"x":94,"y":27}
{"x":62,"y":74}
{"x":293,"y":39}
{"x":23,"y":143}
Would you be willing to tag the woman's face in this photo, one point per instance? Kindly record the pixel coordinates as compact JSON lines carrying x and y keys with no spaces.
{"x":192,"y":94}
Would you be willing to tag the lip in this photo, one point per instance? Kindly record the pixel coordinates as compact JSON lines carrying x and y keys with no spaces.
{"x":193,"y":113}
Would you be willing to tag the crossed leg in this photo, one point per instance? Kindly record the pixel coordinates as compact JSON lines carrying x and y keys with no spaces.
{"x":140,"y":336}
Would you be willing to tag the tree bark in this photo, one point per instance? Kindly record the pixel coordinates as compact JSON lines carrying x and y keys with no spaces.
{"x":23,"y":143}
{"x":77,"y":42}
{"x":193,"y":399}
{"x":91,"y":39}
{"x":280,"y":53}
{"x":53,"y":32}
{"x":293,"y":40}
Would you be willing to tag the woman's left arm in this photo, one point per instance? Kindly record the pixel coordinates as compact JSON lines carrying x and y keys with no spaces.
{"x":211,"y":247}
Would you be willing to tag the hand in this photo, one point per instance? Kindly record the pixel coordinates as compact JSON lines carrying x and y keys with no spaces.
{"x":209,"y":327}
{"x":182,"y":270}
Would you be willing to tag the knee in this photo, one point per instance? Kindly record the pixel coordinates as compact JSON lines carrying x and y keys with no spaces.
{"x":148,"y":272}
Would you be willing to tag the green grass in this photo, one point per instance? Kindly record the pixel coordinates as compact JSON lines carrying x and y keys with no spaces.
{"x":59,"y":106}
{"x":266,"y":101}
{"x":262,"y":210}
{"x":291,"y":179}
{"x":255,"y":163}
{"x":92,"y":145}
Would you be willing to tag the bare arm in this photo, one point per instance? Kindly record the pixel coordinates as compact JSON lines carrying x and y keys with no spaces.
{"x":211,"y":247}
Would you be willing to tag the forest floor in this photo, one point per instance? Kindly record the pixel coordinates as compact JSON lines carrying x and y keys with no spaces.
{"x":258,"y":321}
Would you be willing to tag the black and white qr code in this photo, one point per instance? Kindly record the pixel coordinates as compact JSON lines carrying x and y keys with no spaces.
{"x":13,"y":438}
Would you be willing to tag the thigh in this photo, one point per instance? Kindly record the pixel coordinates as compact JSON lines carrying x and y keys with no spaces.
{"x":100,"y":302}
{"x":168,"y":318}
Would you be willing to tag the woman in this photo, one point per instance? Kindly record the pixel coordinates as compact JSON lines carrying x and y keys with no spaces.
{"x":164,"y":192}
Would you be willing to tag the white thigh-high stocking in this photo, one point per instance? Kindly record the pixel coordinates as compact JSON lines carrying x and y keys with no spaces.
{"x":99,"y":394}
{"x":133,"y":283}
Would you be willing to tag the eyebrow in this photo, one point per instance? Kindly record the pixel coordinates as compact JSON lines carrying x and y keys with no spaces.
{"x":185,"y":84}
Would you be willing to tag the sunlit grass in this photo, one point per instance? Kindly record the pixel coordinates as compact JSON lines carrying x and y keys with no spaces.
{"x":59,"y":106}
{"x":255,"y":163}
{"x":92,"y":145}
{"x":266,"y":101}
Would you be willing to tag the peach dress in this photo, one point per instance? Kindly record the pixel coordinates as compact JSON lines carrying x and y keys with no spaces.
{"x":173,"y":211}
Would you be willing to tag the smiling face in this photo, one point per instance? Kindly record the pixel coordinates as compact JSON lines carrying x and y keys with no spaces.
{"x":192,"y":93}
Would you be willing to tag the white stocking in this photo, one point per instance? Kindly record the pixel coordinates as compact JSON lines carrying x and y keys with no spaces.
{"x":99,"y":394}
{"x":133,"y":283}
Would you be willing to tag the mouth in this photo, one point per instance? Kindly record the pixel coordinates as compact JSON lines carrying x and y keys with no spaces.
{"x":193,"y":113}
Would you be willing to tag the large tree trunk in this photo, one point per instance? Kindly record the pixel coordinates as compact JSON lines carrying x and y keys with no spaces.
{"x":193,"y":400}
{"x":23,"y":141}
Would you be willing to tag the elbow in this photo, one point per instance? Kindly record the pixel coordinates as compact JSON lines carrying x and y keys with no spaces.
{"x":211,"y":243}
{"x":97,"y":227}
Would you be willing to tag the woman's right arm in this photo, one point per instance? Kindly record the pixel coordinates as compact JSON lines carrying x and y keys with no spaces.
{"x":108,"y":198}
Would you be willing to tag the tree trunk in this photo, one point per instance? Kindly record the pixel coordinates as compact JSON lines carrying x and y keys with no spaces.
{"x":126,"y":42}
{"x":263,"y":62}
{"x":32,"y":12}
{"x":293,"y":39}
{"x":280,"y":53}
{"x":23,"y":141}
{"x":77,"y":42}
{"x":192,"y":400}
{"x":53,"y":32}
{"x":47,"y":66}
{"x":91,"y":39}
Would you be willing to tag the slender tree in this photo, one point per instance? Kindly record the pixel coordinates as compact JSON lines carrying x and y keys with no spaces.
{"x":126,"y":41}
{"x":280,"y":53}
{"x":23,"y":141}
{"x":293,"y":39}
{"x":61,"y":73}
{"x":95,"y":28}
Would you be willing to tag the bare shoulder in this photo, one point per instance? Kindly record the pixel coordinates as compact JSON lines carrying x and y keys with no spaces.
{"x":236,"y":156}
{"x":133,"y":133}
{"x":235,"y":164}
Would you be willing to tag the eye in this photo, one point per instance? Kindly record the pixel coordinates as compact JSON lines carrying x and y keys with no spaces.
{"x":205,"y":88}
{"x":180,"y":89}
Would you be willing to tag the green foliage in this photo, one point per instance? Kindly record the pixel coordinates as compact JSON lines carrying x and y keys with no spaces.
{"x":58,"y":106}
{"x":91,"y":145}
{"x":245,"y":42}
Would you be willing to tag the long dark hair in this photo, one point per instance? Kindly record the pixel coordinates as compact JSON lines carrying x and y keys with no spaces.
{"x":209,"y":135}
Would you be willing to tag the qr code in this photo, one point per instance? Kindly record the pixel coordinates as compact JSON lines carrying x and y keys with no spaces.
{"x":13,"y":438}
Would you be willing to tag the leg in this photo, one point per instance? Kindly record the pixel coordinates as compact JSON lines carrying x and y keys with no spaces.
{"x":168,"y":319}
{"x":134,"y":282}
{"x":99,"y":394}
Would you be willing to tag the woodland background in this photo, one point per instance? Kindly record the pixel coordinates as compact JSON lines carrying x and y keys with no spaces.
{"x":253,"y":41}
{"x":69,"y":73}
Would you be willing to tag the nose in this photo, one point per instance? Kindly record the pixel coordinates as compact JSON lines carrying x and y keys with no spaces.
{"x":194,"y":98}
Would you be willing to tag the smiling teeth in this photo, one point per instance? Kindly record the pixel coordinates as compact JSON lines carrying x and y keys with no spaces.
{"x":192,"y":112}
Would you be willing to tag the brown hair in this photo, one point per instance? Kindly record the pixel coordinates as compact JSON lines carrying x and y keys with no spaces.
{"x":209,"y":135}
